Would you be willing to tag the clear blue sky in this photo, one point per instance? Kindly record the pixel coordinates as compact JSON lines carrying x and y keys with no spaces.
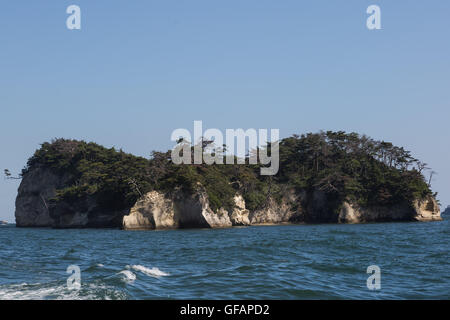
{"x":139,"y":69}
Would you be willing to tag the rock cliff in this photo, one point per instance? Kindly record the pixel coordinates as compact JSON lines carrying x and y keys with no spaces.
{"x":157,"y":211}
{"x":35,"y":206}
{"x":420,"y":210}
{"x":32,"y":202}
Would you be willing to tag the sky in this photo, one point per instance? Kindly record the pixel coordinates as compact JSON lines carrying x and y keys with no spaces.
{"x":137,"y":70}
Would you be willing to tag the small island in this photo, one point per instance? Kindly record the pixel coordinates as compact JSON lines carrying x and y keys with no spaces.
{"x":325,"y":177}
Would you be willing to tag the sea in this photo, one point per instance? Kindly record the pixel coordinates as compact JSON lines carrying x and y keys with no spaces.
{"x":407,"y":260}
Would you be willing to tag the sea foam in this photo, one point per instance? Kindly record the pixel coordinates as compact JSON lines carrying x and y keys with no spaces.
{"x":55,"y":291}
{"x":153,"y":272}
{"x":128,"y":276}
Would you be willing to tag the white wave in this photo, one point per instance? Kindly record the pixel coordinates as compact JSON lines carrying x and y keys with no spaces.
{"x":153,"y":272}
{"x":100,"y":265}
{"x":128,"y":276}
{"x":38,"y":291}
{"x":24,"y":291}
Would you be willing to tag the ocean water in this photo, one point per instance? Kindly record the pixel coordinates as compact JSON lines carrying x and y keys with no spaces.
{"x":266,"y":262}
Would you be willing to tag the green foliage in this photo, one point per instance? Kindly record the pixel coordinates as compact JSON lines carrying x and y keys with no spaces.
{"x":93,"y":170}
{"x":340,"y":164}
{"x":352,"y":166}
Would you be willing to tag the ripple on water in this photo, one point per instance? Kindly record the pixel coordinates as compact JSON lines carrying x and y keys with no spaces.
{"x":273,"y":262}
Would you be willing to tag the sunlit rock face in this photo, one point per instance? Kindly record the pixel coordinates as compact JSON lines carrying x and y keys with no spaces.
{"x":419,"y":210}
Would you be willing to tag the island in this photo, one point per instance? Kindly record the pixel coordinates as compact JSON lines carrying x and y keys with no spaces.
{"x":325,"y":177}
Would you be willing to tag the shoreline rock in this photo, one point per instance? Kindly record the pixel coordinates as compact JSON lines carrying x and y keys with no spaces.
{"x":420,"y":210}
{"x":185,"y":211}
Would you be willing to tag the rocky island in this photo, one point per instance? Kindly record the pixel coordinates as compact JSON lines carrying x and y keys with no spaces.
{"x":446,"y":211}
{"x":326,"y":177}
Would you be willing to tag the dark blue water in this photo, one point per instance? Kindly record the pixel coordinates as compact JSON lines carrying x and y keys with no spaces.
{"x":271,"y":262}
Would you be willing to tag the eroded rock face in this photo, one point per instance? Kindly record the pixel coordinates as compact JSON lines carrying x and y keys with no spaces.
{"x":240,"y":215}
{"x":285,"y":211}
{"x":194,"y":211}
{"x":319,"y":208}
{"x":180,"y":210}
{"x":427,"y":210}
{"x":152,"y":211}
{"x":420,"y":210}
{"x":35,"y":209}
{"x":349,"y":214}
{"x":156,"y":211}
{"x":32,"y":202}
